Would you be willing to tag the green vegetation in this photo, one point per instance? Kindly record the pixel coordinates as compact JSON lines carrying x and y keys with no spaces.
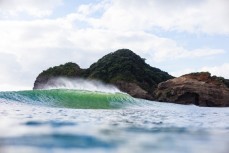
{"x":127,"y":66}
{"x":67,"y":70}
{"x":124,"y":69}
{"x":122,"y":65}
{"x":224,"y":81}
{"x":70,"y":70}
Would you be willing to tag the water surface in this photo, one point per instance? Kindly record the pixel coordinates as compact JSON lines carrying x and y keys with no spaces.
{"x":44,"y":121}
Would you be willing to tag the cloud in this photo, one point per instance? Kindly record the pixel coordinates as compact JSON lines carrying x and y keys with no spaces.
{"x":205,"y":16}
{"x":39,"y":44}
{"x":219,"y":70}
{"x":11,"y":73}
{"x":40,"y":36}
{"x":29,"y":46}
{"x":37,"y":8}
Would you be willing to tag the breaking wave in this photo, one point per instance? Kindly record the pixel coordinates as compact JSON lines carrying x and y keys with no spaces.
{"x":68,"y":98}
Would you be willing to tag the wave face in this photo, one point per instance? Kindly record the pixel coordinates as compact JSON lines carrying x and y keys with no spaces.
{"x":80,"y":99}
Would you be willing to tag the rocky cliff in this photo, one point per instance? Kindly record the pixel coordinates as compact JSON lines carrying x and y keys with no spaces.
{"x":122,"y":68}
{"x":200,"y":89}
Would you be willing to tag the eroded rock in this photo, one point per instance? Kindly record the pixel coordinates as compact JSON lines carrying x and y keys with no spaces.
{"x":197,"y":88}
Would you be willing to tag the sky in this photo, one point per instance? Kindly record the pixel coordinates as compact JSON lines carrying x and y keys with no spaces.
{"x":177,"y":36}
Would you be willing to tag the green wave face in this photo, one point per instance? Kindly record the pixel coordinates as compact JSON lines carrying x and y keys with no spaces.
{"x":70,"y":98}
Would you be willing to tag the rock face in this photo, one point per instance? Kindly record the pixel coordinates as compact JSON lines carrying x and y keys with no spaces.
{"x":197,"y":88}
{"x":122,"y":68}
{"x":134,"y":90}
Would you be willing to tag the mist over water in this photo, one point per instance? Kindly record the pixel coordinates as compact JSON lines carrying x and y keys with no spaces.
{"x":81,"y":84}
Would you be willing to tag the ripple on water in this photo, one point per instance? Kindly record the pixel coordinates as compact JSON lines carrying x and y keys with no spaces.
{"x":57,"y":141}
{"x":190,"y":129}
{"x":49,"y":123}
{"x":158,"y":130}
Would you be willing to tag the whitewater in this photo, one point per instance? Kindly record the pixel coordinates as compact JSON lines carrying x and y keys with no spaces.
{"x":87,"y":119}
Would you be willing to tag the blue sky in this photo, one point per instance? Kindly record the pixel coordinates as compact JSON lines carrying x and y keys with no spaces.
{"x":177,"y":36}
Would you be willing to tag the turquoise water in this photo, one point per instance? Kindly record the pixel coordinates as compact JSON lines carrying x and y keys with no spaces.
{"x":85,"y":121}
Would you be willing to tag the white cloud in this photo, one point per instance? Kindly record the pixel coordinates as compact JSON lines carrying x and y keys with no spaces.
{"x":37,"y":8}
{"x":219,"y":70}
{"x":39,"y":44}
{"x":91,"y":8}
{"x":40,"y":36}
{"x":11,"y":77}
{"x":206,"y":16}
{"x":184,"y":71}
{"x":170,"y":50}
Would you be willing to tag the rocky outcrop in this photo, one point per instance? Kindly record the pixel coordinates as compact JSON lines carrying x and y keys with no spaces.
{"x":134,"y":90}
{"x":196,"y":88}
{"x":122,"y":68}
{"x":129,"y":72}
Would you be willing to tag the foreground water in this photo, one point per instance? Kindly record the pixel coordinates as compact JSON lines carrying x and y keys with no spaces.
{"x":44,"y":121}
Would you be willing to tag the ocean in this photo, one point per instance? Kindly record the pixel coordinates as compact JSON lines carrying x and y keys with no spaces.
{"x":64,"y":120}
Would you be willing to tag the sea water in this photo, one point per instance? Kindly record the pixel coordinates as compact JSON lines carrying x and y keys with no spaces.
{"x":95,"y":122}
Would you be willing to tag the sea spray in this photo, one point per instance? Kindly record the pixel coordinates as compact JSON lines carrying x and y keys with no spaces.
{"x":80,"y":84}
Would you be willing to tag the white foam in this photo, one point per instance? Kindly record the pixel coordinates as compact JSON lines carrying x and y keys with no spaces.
{"x":80,"y":84}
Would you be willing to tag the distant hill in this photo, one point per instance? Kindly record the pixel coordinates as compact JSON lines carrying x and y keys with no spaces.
{"x":122,"y":68}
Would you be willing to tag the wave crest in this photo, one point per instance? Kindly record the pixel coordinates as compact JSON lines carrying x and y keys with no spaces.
{"x":80,"y":84}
